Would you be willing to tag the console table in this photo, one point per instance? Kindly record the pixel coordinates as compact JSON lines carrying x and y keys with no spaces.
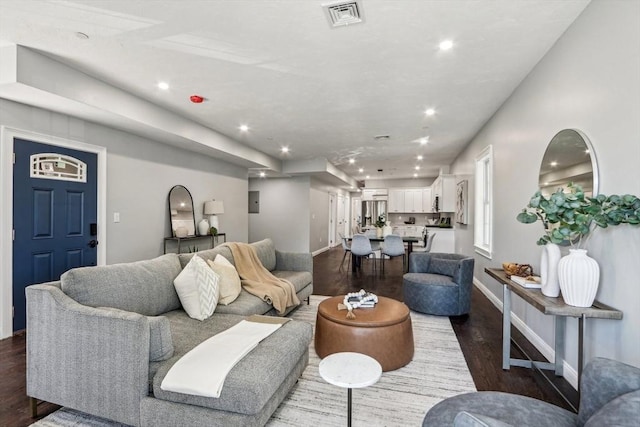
{"x":213,"y":240}
{"x":549,"y":306}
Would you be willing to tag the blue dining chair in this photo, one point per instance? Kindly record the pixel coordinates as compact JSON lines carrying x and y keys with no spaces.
{"x":392,"y":246}
{"x":361,"y":247}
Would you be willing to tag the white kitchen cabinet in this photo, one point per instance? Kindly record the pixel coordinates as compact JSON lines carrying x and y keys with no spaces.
{"x":413,"y":200}
{"x":396,"y":200}
{"x":444,"y":188}
{"x":369,"y":194}
{"x":427,"y":201}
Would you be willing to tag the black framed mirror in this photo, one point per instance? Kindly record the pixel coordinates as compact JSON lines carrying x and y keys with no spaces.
{"x":181,"y":215}
{"x":569,"y":158}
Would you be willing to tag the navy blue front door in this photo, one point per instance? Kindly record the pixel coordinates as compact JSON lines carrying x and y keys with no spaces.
{"x":54,"y":216}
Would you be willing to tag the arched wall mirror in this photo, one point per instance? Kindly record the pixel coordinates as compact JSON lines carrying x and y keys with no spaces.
{"x":569,"y":158}
{"x":181,"y":216}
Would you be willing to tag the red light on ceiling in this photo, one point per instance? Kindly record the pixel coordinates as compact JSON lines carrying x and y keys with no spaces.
{"x":196,"y":99}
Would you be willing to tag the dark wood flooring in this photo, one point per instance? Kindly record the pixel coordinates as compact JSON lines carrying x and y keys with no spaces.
{"x":479,"y":335}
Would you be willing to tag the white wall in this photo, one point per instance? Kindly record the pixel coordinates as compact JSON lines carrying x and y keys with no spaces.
{"x":590,"y":80}
{"x":319,"y":219}
{"x":284,"y":212}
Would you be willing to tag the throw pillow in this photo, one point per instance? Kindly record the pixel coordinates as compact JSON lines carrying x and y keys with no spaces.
{"x":198,"y":289}
{"x":230,"y":286}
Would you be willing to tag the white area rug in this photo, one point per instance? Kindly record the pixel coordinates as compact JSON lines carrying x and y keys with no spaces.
{"x":401,"y":397}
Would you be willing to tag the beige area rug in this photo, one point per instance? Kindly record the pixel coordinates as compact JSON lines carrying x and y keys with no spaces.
{"x":400,"y":398}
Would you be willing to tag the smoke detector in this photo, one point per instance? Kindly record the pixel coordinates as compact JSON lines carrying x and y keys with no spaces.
{"x":343,"y":13}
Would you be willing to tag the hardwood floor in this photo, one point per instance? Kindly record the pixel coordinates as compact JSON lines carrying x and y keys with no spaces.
{"x":479,"y":335}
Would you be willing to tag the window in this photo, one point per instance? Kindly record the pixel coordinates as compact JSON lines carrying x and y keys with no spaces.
{"x":57,"y":166}
{"x":483,"y":228}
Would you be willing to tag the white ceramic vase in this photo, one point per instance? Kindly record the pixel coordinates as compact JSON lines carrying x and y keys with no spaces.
{"x":203,"y":227}
{"x":549,"y":270}
{"x":579,"y":276}
{"x":387,"y":229}
{"x":378,"y":231}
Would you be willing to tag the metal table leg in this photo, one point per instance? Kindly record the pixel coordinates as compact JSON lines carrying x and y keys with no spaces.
{"x":349,"y":407}
{"x":559,"y":344}
{"x":506,"y":327}
{"x":581,"y":325}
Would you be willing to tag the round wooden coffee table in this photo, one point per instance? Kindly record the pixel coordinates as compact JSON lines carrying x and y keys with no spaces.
{"x":383,"y":332}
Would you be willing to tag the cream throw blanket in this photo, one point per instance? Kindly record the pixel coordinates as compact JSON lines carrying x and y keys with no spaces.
{"x":259,"y":281}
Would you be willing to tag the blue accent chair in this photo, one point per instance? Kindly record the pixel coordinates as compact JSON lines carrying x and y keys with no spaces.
{"x":610,"y":396}
{"x":438,"y":283}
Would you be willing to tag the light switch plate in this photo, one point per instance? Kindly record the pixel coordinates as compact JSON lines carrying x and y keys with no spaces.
{"x":116,"y":217}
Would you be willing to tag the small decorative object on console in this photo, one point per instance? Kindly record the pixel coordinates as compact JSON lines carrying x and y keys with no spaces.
{"x":513,"y":269}
{"x":361,"y":299}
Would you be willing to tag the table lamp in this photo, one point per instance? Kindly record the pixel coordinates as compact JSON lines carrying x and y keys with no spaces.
{"x":213,"y":208}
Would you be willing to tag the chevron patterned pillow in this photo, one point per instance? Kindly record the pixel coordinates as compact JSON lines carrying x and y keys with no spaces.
{"x":198,"y":289}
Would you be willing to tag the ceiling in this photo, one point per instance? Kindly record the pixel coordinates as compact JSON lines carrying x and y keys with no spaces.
{"x":281,"y":69}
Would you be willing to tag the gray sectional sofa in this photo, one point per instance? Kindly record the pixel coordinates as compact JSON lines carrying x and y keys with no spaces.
{"x":101,"y":340}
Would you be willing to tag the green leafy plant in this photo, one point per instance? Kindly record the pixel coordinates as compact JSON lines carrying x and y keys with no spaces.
{"x":381,"y":221}
{"x":213,"y":231}
{"x":570,"y":216}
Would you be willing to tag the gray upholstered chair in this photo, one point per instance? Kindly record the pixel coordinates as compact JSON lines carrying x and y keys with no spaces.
{"x":361,"y":248}
{"x":438,"y":283}
{"x":392,"y":246}
{"x":610,"y":396}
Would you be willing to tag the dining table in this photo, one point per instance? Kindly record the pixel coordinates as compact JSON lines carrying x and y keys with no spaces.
{"x":409,"y":240}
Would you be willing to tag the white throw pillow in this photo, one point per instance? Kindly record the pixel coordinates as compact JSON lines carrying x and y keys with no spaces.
{"x":198,"y":288}
{"x":230,"y":286}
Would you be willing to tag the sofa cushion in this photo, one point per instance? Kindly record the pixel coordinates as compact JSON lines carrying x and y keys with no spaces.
{"x":160,"y":342}
{"x":144,"y":287}
{"x":230,"y":285}
{"x":266,"y":251}
{"x":252,"y":382}
{"x":245,"y":305}
{"x":622,"y":411}
{"x":197,"y":287}
{"x":209,"y":254}
{"x":446,"y":267}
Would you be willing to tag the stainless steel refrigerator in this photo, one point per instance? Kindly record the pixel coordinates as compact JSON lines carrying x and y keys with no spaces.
{"x":371,"y":210}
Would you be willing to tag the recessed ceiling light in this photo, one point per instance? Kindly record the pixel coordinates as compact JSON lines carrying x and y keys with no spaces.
{"x":554,"y":163}
{"x":163,"y":85}
{"x":417,"y":168}
{"x":423,"y":141}
{"x":367,"y":177}
{"x":446,"y":44}
{"x":351,"y":161}
{"x":430,"y":112}
{"x":243,"y":128}
{"x":262,"y":174}
{"x":586,"y":151}
{"x":361,"y":170}
{"x":285,"y":149}
{"x":419,"y":157}
{"x":415,"y":175}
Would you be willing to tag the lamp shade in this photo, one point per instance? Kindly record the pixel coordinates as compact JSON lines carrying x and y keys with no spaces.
{"x":213,"y":207}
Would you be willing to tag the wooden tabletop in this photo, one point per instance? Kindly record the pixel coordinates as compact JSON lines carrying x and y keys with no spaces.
{"x":554,"y":306}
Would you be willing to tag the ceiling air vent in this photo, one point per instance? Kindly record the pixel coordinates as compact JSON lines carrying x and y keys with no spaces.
{"x":343,"y":13}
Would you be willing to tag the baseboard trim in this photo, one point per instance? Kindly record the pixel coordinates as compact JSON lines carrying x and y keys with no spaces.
{"x":570,"y":374}
{"x":319,"y":251}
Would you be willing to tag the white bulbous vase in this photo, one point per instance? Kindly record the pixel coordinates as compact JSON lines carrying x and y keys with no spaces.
{"x":579,"y":276}
{"x":378,"y":231}
{"x":387,"y":229}
{"x":549,"y":270}
{"x":203,"y":227}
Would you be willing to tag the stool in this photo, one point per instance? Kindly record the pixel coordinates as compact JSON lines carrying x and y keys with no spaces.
{"x":383,"y":332}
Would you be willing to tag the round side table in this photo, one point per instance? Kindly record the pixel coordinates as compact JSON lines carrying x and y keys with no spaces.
{"x":350,"y":370}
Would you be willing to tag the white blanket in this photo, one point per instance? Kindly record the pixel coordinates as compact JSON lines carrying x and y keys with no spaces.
{"x":202,"y":370}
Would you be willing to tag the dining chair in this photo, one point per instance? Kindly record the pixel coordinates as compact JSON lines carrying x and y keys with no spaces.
{"x":392,"y":246}
{"x":375,"y":246}
{"x":346,"y":247}
{"x":427,"y":244}
{"x":361,"y":247}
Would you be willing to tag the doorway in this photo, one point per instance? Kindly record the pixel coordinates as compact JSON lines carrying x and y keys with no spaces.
{"x":42,"y":209}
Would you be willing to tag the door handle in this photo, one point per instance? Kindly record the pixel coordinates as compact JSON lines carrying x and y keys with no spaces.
{"x":93,"y":243}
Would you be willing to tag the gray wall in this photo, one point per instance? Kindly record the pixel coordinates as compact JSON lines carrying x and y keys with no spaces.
{"x":140,"y":174}
{"x":284,"y":212}
{"x":319,"y":219}
{"x":590,"y":80}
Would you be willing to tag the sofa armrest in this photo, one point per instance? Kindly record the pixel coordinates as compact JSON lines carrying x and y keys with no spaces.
{"x":602,"y":381}
{"x":294,"y":261}
{"x":90,"y":359}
